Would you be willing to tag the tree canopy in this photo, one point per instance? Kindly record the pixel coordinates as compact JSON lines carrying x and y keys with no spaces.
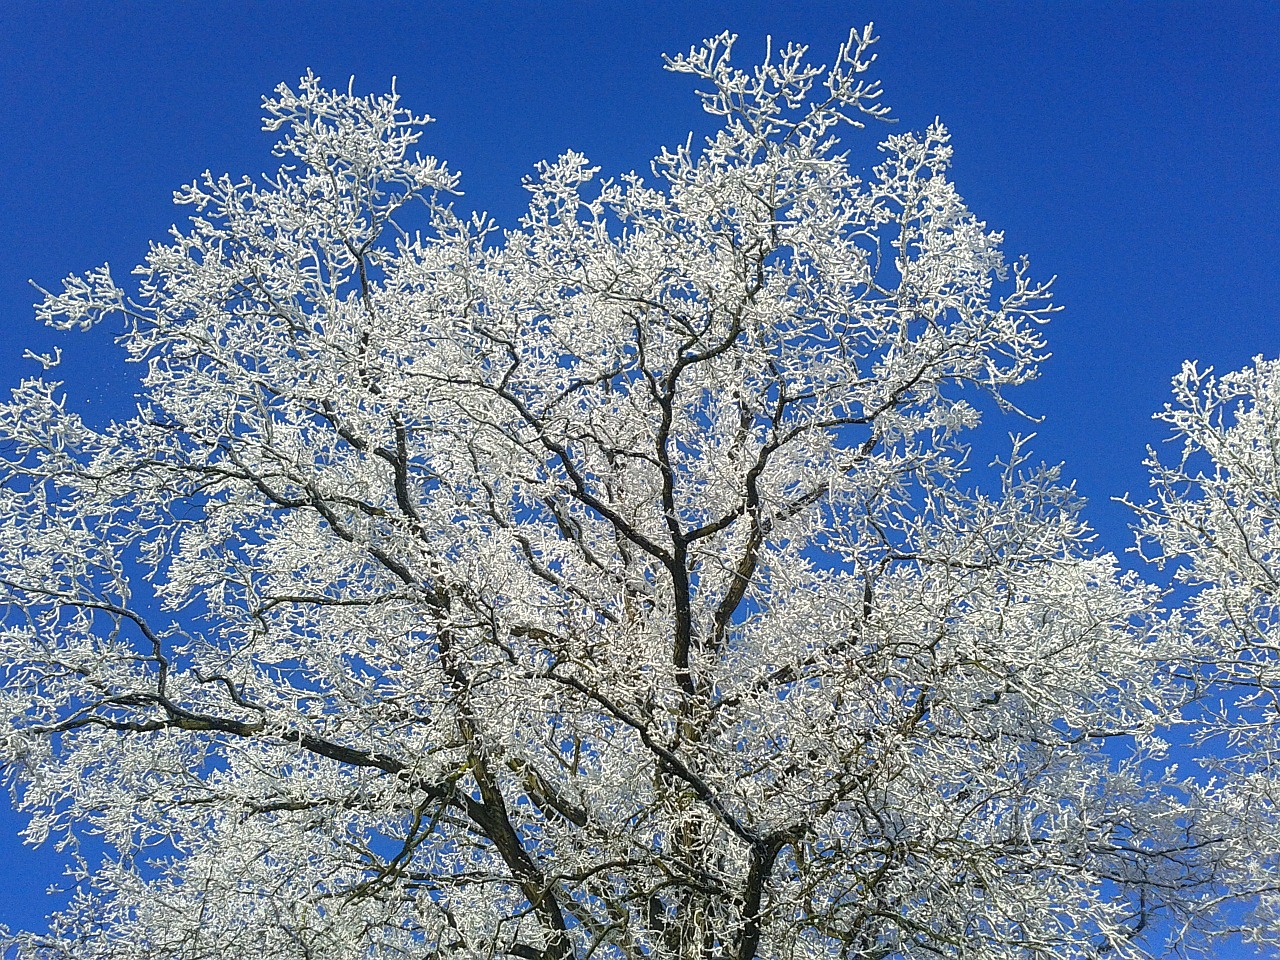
{"x":616,"y":584}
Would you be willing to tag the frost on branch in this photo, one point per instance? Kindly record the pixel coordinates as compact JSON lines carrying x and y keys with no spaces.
{"x":617,"y":588}
{"x":83,"y":301}
{"x":1215,"y":520}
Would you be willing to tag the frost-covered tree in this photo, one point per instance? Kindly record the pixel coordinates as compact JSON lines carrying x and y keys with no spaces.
{"x":1215,"y":520}
{"x":612,"y":586}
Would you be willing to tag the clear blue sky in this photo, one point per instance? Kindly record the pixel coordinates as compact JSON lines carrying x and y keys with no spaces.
{"x":1133,"y":149}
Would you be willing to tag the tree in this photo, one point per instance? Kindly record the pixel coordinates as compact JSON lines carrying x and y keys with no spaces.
{"x":1215,"y":519}
{"x":612,"y":586}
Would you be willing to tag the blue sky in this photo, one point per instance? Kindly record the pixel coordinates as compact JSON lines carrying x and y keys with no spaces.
{"x":1130,"y":148}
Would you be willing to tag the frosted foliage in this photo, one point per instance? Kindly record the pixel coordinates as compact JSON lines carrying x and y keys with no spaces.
{"x":1216,"y":521}
{"x":612,"y":586}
